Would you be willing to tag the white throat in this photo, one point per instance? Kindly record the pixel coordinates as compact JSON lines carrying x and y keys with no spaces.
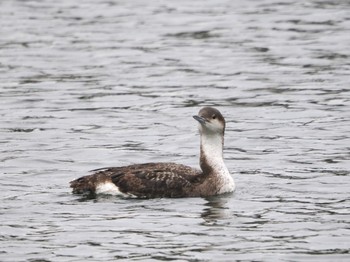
{"x":212,"y":150}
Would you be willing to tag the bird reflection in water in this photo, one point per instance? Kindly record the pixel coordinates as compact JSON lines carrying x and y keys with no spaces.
{"x":217,"y":209}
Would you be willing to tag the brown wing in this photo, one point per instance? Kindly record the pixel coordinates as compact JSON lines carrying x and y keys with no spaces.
{"x":155,"y":180}
{"x":143,"y":180}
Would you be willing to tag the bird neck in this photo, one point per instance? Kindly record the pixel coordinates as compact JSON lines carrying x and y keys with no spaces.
{"x":211,"y":153}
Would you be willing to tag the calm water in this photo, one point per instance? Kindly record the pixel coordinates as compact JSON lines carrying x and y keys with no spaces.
{"x":89,"y":84}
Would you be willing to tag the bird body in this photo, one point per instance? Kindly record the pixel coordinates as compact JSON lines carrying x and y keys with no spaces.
{"x":152,"y":180}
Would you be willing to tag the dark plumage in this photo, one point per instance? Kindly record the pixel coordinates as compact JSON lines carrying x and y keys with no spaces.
{"x":143,"y":180}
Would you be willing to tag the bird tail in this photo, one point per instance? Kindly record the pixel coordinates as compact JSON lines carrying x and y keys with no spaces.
{"x":88,"y":184}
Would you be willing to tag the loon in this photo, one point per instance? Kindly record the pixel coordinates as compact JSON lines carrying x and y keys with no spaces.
{"x":158,"y":180}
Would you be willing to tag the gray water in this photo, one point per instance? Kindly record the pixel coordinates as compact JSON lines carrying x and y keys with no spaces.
{"x":88,"y":84}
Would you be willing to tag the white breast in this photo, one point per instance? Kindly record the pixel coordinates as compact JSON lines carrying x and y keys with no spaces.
{"x":227,"y":184}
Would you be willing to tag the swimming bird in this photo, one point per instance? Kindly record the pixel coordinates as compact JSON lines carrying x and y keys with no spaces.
{"x":152,"y":180}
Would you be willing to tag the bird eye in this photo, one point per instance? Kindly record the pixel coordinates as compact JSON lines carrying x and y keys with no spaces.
{"x":214,"y":116}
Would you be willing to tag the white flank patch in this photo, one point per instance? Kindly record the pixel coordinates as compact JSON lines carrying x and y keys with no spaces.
{"x":109,"y":188}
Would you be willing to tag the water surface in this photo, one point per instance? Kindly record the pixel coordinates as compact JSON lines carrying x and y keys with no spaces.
{"x":102,"y":83}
